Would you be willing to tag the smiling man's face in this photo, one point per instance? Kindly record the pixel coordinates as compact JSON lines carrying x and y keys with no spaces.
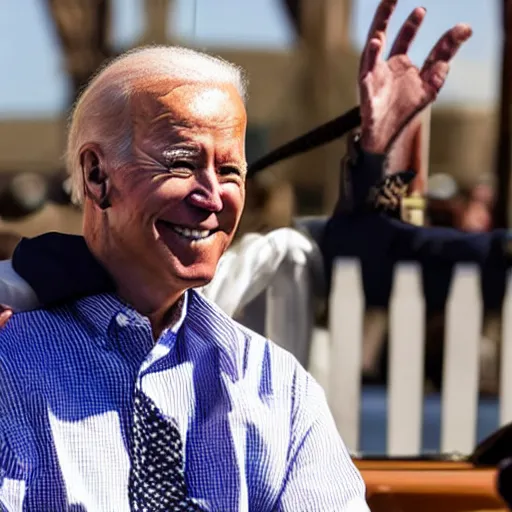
{"x":177,"y":203}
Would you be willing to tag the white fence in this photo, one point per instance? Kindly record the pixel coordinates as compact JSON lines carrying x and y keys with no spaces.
{"x":406,"y":358}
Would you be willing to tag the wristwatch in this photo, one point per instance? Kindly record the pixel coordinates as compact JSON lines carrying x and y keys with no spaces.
{"x":364,"y":185}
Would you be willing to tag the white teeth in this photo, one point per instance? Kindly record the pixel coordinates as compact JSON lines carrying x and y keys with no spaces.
{"x":193,"y":234}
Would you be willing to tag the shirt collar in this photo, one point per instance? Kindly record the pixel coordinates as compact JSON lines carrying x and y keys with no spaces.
{"x":99,"y":311}
{"x":209,"y":324}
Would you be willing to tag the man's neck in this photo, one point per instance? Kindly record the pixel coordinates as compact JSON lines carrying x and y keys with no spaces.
{"x":147,"y":293}
{"x":161,"y":307}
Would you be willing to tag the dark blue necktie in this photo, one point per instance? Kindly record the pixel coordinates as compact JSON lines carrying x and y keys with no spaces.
{"x":157,"y":480}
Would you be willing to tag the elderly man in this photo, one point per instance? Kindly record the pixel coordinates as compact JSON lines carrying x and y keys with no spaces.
{"x":149,"y":397}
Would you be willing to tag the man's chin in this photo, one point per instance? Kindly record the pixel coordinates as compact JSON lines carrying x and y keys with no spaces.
{"x":195,"y":277}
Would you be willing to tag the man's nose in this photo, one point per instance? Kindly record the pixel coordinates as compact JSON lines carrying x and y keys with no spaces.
{"x":206,"y":194}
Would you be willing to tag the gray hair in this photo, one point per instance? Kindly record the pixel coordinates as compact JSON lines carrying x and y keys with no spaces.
{"x":101,"y":113}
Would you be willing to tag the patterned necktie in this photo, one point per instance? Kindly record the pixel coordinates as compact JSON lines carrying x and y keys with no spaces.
{"x":156,"y":481}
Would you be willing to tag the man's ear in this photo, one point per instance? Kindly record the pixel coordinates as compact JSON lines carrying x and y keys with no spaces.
{"x":96,"y":180}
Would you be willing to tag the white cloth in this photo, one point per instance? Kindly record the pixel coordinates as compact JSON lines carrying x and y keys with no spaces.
{"x":268,"y":282}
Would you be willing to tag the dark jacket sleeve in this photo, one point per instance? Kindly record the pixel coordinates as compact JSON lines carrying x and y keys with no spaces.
{"x":60,"y":267}
{"x":381,"y":242}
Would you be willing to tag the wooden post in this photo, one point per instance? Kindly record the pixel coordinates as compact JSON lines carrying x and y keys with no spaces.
{"x":502,"y":213}
{"x":325,"y":29}
{"x":412,"y":151}
{"x":413,"y":208}
{"x":83,"y":28}
{"x":316,"y":83}
{"x":156,"y":21}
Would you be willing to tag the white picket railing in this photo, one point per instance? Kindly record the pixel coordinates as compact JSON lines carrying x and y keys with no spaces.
{"x":406,"y":355}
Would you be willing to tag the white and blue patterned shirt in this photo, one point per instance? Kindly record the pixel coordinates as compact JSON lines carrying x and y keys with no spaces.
{"x":256,"y":427}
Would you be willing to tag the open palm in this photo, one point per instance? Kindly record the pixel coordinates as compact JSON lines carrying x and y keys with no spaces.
{"x":394,"y":91}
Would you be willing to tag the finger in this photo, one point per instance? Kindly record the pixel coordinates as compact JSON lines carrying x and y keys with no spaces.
{"x":408,"y":32}
{"x":370,"y":57}
{"x":435,"y":76}
{"x":381,"y":19}
{"x":4,"y":317}
{"x":446,"y":48}
{"x":377,"y":32}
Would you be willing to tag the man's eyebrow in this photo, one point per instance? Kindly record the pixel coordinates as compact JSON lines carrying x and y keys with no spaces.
{"x":181,"y":148}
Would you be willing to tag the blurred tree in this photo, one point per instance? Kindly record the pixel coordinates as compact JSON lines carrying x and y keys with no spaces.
{"x":157,"y":21}
{"x":83,"y":29}
{"x":293,"y":9}
{"x":502,"y":211}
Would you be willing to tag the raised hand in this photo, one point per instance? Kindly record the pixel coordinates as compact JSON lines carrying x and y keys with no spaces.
{"x":392,"y":92}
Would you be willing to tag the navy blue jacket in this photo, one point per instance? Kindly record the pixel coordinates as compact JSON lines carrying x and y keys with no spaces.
{"x":380,"y":242}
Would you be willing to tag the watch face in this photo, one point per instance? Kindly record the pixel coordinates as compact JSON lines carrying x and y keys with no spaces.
{"x":413,"y":216}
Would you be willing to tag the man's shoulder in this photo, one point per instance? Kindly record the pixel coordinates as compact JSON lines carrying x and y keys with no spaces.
{"x":50,"y":324}
{"x":28,"y":340}
{"x":36,"y":323}
{"x":221,"y":320}
{"x":280,"y":375}
{"x":257,"y":355}
{"x":35,"y":319}
{"x":261,"y":347}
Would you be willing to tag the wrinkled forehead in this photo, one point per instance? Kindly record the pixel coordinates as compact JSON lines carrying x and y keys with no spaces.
{"x":168,"y":110}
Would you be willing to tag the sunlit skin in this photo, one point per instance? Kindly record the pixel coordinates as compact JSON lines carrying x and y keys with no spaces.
{"x":187,"y":172}
{"x":392,"y":90}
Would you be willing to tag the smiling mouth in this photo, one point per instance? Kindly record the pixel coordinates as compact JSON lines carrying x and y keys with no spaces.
{"x":188,"y":233}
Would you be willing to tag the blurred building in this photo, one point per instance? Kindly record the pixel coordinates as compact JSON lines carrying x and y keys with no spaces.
{"x":290,"y":92}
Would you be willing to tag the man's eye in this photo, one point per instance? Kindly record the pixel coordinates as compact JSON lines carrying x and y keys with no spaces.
{"x":182,"y":164}
{"x":230,"y":170}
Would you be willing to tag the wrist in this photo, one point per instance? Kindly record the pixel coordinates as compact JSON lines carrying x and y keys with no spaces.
{"x":372,"y":145}
{"x":364,"y":168}
{"x":361,"y":171}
